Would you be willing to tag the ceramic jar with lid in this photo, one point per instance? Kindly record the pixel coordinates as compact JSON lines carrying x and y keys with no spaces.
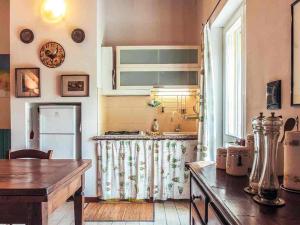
{"x":292,"y":161}
{"x":237,"y":160}
{"x":280,"y":159}
{"x":250,"y":146}
{"x":221,"y":158}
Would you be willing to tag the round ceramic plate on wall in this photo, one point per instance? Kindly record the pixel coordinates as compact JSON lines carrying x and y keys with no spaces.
{"x":26,"y":36}
{"x":78,"y":35}
{"x":52,"y":54}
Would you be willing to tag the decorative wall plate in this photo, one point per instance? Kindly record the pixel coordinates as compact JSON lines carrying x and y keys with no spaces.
{"x":52,"y":54}
{"x":26,"y":36}
{"x":78,"y":35}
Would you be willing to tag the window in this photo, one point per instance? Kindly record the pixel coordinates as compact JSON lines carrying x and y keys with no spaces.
{"x":234,"y":77}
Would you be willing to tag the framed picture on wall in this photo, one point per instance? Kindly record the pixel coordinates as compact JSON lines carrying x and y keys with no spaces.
{"x":27,"y":82}
{"x":4,"y":75}
{"x":295,"y":39}
{"x":75,"y":85}
{"x":274,"y":95}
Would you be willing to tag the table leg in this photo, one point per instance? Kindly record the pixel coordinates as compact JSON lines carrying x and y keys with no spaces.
{"x":79,"y":207}
{"x":39,"y":214}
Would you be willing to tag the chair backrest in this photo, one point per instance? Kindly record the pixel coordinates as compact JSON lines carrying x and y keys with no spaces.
{"x":29,"y":153}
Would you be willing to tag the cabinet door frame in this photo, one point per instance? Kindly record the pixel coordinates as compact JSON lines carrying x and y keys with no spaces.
{"x":170,"y":47}
{"x":119,"y":70}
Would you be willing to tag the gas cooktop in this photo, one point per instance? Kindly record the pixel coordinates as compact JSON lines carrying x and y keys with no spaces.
{"x":122,"y":132}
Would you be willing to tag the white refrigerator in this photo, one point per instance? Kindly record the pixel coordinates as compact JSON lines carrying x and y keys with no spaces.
{"x":59,"y":128}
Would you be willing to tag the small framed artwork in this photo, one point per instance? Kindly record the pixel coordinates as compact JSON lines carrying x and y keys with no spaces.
{"x":27,"y":82}
{"x":274,"y":95}
{"x":4,"y":76}
{"x":75,"y":85}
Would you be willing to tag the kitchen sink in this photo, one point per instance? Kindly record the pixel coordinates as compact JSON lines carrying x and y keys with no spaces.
{"x":179,"y":133}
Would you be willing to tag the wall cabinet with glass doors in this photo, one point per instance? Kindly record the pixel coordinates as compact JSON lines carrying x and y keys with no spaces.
{"x":145,"y":67}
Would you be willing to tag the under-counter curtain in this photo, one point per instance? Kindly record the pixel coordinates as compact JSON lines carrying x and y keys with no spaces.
{"x":144,"y":169}
{"x":210,"y":125}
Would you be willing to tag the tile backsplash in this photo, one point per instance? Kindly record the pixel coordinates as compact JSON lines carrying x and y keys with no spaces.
{"x":133,"y":113}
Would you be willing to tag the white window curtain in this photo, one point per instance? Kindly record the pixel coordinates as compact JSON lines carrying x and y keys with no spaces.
{"x":212,"y":136}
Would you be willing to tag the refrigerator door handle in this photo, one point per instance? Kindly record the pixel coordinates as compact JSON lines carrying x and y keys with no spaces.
{"x":80,"y":128}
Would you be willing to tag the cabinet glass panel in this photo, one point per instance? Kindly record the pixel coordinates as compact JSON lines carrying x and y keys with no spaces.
{"x":178,"y":78}
{"x":139,"y":56}
{"x":152,"y":78}
{"x":158,"y":56}
{"x":139,"y":78}
{"x":178,"y":56}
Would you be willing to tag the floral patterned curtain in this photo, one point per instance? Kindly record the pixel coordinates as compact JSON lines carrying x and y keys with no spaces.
{"x":144,"y":169}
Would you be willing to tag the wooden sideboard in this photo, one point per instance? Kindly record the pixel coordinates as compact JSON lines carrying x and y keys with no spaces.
{"x":218,"y":199}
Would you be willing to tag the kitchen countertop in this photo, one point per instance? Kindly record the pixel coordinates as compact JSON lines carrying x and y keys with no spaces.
{"x":145,"y":137}
{"x":226,"y":193}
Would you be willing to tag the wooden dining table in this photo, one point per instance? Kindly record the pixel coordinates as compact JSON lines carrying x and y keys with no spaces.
{"x":31,"y":189}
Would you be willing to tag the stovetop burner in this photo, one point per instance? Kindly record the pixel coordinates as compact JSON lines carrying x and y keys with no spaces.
{"x":122,"y":132}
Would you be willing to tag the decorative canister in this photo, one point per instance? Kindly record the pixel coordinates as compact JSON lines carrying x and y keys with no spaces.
{"x":292,"y":161}
{"x":221,"y":158}
{"x":280,"y":159}
{"x":237,"y":160}
{"x":250,"y":146}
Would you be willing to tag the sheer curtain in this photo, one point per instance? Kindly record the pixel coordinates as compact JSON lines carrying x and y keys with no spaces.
{"x":210,"y":127}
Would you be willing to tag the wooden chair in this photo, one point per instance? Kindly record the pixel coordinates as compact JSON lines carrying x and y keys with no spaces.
{"x":30,"y":153}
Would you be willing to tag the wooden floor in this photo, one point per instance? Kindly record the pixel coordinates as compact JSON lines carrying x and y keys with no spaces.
{"x":167,"y":213}
{"x":119,"y":211}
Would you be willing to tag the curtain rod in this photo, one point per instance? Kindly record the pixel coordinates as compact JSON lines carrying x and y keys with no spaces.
{"x":215,"y":8}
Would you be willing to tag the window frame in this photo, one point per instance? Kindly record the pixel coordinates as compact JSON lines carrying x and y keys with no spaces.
{"x":238,"y":14}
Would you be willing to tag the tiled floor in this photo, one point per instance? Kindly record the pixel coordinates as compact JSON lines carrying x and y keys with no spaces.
{"x":167,"y":213}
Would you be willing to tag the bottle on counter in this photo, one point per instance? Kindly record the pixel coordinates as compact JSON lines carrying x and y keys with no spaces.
{"x":155,"y":126}
{"x":268,"y":186}
{"x":259,"y":146}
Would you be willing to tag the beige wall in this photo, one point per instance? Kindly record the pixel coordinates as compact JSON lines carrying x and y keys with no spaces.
{"x":80,"y":59}
{"x":268,"y":54}
{"x":133,"y":113}
{"x":268,"y":37}
{"x":150,"y":22}
{"x":4,"y":49}
{"x":145,"y":22}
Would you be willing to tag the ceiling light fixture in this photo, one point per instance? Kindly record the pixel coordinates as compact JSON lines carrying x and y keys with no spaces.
{"x":53,"y":11}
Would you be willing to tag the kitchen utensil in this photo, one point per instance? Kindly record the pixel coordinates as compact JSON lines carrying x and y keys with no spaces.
{"x":268,"y":186}
{"x":288,"y":126}
{"x":31,"y":135}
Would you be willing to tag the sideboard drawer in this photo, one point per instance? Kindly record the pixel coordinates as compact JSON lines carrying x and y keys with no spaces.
{"x":214,"y":218}
{"x":199,"y":199}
